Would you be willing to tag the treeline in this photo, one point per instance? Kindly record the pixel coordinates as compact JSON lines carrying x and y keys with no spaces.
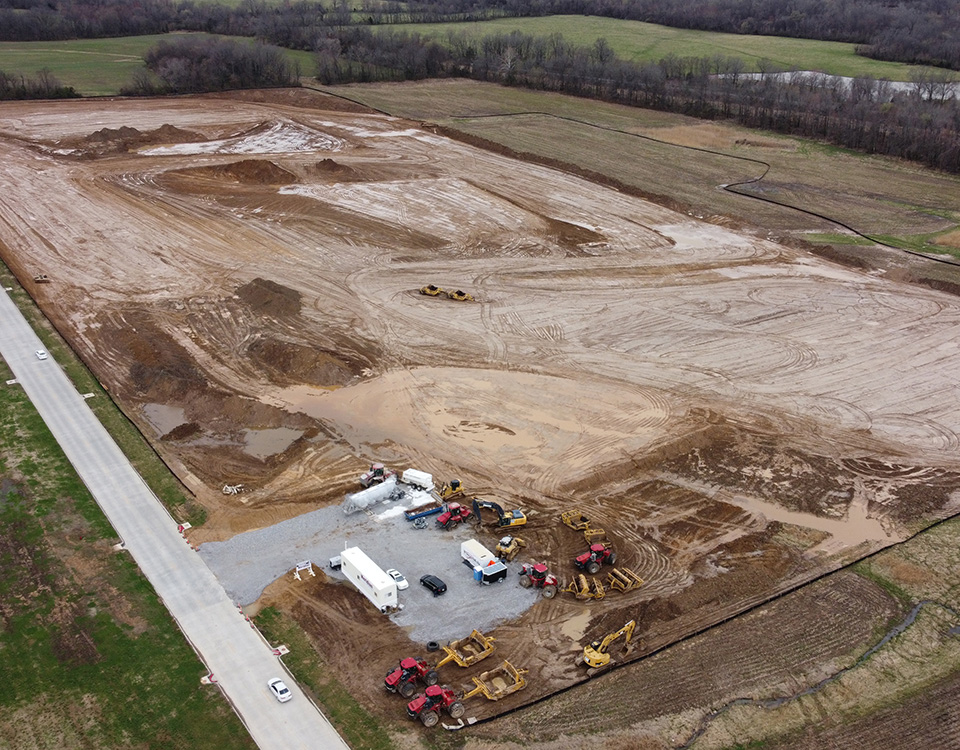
{"x":913,"y":31}
{"x":921,"y":124}
{"x":41,"y":86}
{"x":187,"y":66}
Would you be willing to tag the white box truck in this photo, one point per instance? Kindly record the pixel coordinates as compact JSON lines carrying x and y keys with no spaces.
{"x":416,"y":478}
{"x":485,"y":565}
{"x":369,"y":579}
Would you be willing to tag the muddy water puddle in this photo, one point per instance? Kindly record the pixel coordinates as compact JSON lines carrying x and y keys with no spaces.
{"x":574,"y":627}
{"x":269,"y":442}
{"x":847,"y":532}
{"x":163,"y":417}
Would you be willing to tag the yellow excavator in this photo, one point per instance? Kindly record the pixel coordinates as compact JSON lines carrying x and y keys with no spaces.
{"x":595,"y":655}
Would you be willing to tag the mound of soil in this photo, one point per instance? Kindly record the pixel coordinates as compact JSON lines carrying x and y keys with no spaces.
{"x":330,"y":167}
{"x":182,"y":432}
{"x":123,"y":139}
{"x":293,"y":363}
{"x":270,"y":298}
{"x":247,"y":172}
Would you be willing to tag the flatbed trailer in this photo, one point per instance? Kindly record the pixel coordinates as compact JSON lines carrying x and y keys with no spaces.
{"x":424,"y":511}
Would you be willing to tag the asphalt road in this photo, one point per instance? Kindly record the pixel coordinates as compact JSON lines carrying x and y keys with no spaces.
{"x":234,"y":652}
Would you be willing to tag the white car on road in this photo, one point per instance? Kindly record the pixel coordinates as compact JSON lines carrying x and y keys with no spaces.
{"x":41,"y":354}
{"x":280,"y":691}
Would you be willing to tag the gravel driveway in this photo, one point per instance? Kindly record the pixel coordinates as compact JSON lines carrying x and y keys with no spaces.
{"x":248,"y":562}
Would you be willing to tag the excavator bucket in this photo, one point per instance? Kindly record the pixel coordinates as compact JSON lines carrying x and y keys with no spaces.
{"x":623,"y":580}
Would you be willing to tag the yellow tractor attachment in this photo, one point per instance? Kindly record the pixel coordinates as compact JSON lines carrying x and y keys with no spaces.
{"x":468,"y":651}
{"x":498,"y":683}
{"x":623,"y":580}
{"x":584,"y":589}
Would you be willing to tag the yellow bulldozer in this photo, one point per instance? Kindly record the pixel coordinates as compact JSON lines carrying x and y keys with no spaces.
{"x":450,"y":491}
{"x":509,"y":547}
{"x":597,"y":654}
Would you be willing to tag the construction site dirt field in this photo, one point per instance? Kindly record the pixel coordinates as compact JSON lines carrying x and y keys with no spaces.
{"x":242,"y":273}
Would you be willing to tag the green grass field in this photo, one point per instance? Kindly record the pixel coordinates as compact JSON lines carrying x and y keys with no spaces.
{"x":90,"y":656}
{"x":645,"y":42}
{"x":98,"y":67}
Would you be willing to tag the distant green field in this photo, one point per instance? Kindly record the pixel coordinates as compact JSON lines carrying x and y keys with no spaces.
{"x":97,"y":67}
{"x":646,"y":42}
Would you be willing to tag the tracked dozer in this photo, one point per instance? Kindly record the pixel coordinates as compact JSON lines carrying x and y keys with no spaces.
{"x":509,"y":547}
{"x":466,"y":652}
{"x":450,"y":491}
{"x":585,"y":589}
{"x":498,"y":683}
{"x":623,"y":580}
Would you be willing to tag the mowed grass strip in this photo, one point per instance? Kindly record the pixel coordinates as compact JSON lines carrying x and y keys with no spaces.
{"x":647,"y":42}
{"x":101,"y":67}
{"x":358,"y":727}
{"x":134,"y":446}
{"x":877,"y":196}
{"x":90,"y":656}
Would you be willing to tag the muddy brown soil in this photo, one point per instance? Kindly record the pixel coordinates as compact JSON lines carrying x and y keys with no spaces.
{"x":241,"y":272}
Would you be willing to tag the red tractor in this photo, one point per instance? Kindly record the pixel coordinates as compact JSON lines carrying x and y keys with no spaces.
{"x":597,"y":555}
{"x":536,"y":575}
{"x":403,"y":679}
{"x":454,"y":514}
{"x":427,"y":707}
{"x":378,"y":473}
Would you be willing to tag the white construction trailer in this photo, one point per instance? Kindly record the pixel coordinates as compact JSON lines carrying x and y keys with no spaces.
{"x":369,"y":579}
{"x":487,"y":568}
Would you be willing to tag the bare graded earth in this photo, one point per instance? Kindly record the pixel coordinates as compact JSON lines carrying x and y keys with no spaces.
{"x":241,"y":273}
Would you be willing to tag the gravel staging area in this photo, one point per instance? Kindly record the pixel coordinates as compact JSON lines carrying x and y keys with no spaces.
{"x":249,"y":562}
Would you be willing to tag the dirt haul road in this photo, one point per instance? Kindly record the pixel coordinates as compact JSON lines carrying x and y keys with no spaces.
{"x":242,"y":273}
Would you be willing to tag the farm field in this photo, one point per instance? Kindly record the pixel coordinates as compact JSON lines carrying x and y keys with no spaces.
{"x":741,"y":416}
{"x":685,"y":161}
{"x":98,"y":67}
{"x":647,"y":42}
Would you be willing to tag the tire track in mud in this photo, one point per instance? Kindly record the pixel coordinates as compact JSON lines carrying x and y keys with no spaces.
{"x":727,"y":187}
{"x":776,"y":702}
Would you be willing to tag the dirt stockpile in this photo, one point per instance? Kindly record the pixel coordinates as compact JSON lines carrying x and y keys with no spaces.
{"x":243,"y":274}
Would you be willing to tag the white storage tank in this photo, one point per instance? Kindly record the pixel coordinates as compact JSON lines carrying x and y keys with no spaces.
{"x":416,"y":478}
{"x":369,"y":579}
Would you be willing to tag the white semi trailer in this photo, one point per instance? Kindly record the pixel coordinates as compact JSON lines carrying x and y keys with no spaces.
{"x":369,"y":579}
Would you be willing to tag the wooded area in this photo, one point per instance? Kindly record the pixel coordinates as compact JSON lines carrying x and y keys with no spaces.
{"x":915,"y":31}
{"x":920,"y":123}
{"x":187,"y":66}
